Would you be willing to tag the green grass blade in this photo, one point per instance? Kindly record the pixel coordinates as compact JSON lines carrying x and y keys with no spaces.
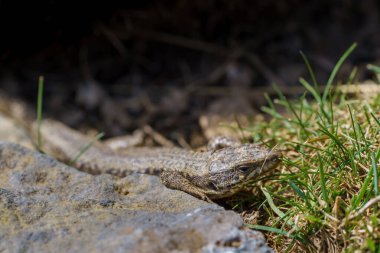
{"x":375,"y":118}
{"x":323,"y":181}
{"x":300,"y":193}
{"x":311,"y":89}
{"x":298,"y":237}
{"x":353,"y":75}
{"x":39,"y":110}
{"x":374,"y":68}
{"x":377,"y":156}
{"x":332,"y":136}
{"x":272,"y":205}
{"x":269,"y":101}
{"x":272,"y":112}
{"x":85,"y":148}
{"x":278,"y":211}
{"x":311,"y":72}
{"x":356,"y":143}
{"x":375,"y":176}
{"x":336,"y":69}
{"x":270,"y":229}
{"x":297,"y":190}
{"x":364,"y":189}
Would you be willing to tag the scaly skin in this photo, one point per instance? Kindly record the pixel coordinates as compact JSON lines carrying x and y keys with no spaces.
{"x":207,"y":175}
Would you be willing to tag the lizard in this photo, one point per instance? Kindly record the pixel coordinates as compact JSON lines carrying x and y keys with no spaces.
{"x":221,"y":171}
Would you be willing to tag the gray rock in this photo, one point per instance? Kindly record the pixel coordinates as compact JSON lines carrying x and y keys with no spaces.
{"x":46,"y":206}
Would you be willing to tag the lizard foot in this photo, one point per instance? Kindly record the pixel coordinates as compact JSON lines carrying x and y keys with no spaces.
{"x":177,"y":181}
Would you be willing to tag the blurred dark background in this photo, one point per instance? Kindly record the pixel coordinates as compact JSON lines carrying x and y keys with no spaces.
{"x":154,"y":61}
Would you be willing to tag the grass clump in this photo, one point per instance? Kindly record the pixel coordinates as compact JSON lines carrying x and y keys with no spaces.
{"x":326,"y":198}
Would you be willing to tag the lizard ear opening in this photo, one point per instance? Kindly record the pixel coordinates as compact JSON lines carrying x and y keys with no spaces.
{"x":212,"y":186}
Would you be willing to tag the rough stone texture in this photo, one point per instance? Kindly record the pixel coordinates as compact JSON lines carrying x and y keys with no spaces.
{"x":46,"y":206}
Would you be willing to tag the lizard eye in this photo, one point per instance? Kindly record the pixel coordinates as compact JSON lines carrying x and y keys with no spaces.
{"x":244,"y":168}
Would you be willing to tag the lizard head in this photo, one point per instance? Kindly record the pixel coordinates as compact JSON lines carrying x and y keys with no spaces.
{"x":230,"y":168}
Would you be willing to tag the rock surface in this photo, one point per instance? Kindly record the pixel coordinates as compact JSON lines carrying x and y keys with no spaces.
{"x":46,"y":206}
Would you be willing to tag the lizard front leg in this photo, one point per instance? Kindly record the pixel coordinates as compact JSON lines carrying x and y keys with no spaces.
{"x":175,"y":180}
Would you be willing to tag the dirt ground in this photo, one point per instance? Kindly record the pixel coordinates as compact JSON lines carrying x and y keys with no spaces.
{"x":171,"y":64}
